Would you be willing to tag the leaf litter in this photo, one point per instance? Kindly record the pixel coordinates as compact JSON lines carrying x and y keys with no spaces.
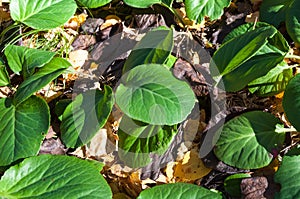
{"x":86,"y":36}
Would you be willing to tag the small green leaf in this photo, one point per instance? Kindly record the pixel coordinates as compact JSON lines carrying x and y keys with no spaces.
{"x":137,"y":140}
{"x":147,"y":3}
{"x":246,"y":55}
{"x":247,"y":141}
{"x":274,"y":82}
{"x":49,"y":176}
{"x":94,"y":3}
{"x":198,"y":9}
{"x":232,"y":184}
{"x":42,"y":14}
{"x":26,"y":59}
{"x":288,"y":175}
{"x":178,"y":191}
{"x":155,"y":47}
{"x":40,"y":79}
{"x":83,"y":118}
{"x":151,"y":94}
{"x":22,"y":128}
{"x":171,"y":60}
{"x":4,"y":78}
{"x":291,"y":101}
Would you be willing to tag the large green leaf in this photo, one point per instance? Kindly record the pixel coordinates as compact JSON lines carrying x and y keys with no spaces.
{"x":155,"y":47}
{"x":291,"y":101}
{"x":83,"y":118}
{"x":49,"y":176}
{"x":4,"y":78}
{"x":286,"y":11}
{"x":178,"y":191}
{"x":151,"y":94}
{"x":147,"y":3}
{"x":26,"y":59}
{"x":42,"y":14}
{"x":247,"y":141}
{"x":246,"y":55}
{"x":293,"y":21}
{"x":22,"y":128}
{"x":138,"y":140}
{"x":93,"y":3}
{"x":198,"y":9}
{"x":40,"y":79}
{"x":274,"y":82}
{"x":288,"y":175}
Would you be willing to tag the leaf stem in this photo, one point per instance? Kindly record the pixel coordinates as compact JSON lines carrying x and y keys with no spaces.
{"x":290,"y":56}
{"x":285,"y":130}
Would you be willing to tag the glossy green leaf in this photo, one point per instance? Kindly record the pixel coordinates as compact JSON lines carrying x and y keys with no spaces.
{"x":84,"y":117}
{"x":291,"y":101}
{"x":137,"y":140}
{"x":42,"y":14}
{"x":247,"y":55}
{"x":26,"y":59}
{"x":274,"y":82}
{"x":4,"y":78}
{"x":49,"y":176}
{"x":22,"y":128}
{"x":275,"y":12}
{"x":40,"y":79}
{"x":232,"y":184}
{"x":198,"y":9}
{"x":247,"y":141}
{"x":147,"y":3}
{"x":178,"y":191}
{"x":288,"y":175}
{"x":151,"y":94}
{"x":155,"y":47}
{"x":93,"y":3}
{"x":293,"y":21}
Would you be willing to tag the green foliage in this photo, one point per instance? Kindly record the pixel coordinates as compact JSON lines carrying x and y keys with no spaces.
{"x":247,"y":142}
{"x":286,"y":11}
{"x":22,"y":128}
{"x":138,"y":140}
{"x":288,"y":176}
{"x":4,"y":78}
{"x":42,"y":14}
{"x":40,"y":79}
{"x":291,"y":102}
{"x":25,"y":59}
{"x":198,"y":9}
{"x":147,"y":3}
{"x":151,"y":94}
{"x":48,"y":176}
{"x":154,"y":47}
{"x":84,"y":117}
{"x":178,"y":191}
{"x":274,"y":82}
{"x":246,"y":55}
{"x":94,"y":3}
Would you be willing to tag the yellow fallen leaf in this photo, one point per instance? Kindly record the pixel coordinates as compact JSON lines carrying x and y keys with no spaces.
{"x":191,"y":167}
{"x":110,"y":20}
